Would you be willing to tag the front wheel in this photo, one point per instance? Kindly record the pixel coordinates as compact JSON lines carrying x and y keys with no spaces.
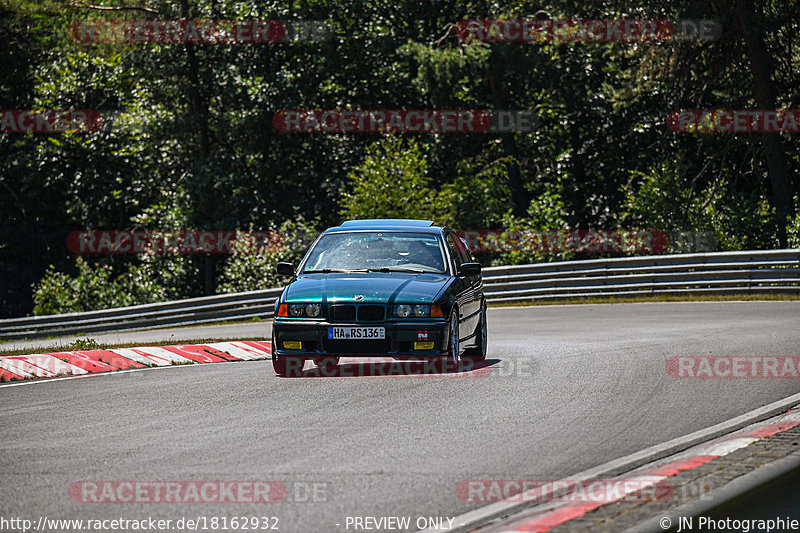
{"x":478,"y":353}
{"x":285,"y":365}
{"x":453,"y":345}
{"x":280,"y":364}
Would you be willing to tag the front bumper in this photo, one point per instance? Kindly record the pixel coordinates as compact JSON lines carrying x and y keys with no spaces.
{"x":399,"y":342}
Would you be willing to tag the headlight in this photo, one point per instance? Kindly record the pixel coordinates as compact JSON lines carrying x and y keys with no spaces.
{"x":422,"y":310}
{"x":303,"y":310}
{"x":405,"y":310}
{"x":402,"y":310}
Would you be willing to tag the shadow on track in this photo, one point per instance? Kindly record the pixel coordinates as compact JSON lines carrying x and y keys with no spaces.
{"x":399,"y":369}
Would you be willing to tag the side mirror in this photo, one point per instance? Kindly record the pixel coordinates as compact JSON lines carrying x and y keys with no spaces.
{"x":285,"y":269}
{"x":470,"y":269}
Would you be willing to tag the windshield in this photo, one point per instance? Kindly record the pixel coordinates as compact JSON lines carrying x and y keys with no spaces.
{"x":377,"y":251}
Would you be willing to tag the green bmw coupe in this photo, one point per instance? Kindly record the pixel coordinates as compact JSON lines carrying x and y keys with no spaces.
{"x":406,"y":289}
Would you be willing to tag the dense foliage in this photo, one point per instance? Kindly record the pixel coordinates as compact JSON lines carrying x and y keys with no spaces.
{"x":192,"y":144}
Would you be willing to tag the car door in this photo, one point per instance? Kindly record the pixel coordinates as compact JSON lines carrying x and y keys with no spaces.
{"x":469,"y":294}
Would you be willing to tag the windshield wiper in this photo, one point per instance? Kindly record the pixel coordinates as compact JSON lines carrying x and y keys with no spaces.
{"x":329,"y":270}
{"x":395,"y":269}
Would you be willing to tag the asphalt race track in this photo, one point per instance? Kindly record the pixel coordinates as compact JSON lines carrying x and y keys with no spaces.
{"x":567,"y":388}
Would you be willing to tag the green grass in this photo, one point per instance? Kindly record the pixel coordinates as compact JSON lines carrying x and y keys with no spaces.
{"x":84,"y":344}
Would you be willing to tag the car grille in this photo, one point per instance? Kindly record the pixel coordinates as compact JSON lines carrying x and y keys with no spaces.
{"x":365,"y":313}
{"x":370,"y":313}
{"x":372,"y":347}
{"x":343,"y":312}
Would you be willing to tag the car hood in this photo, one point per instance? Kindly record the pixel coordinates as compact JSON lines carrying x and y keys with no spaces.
{"x":374,"y":287}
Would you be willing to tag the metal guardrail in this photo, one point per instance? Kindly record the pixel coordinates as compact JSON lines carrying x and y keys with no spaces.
{"x":752,"y":272}
{"x":768,"y":271}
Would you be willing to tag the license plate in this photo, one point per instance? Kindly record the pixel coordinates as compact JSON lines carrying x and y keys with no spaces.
{"x":351,"y":333}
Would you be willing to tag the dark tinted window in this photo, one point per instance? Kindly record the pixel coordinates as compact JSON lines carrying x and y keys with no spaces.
{"x":374,"y":250}
{"x":453,"y":245}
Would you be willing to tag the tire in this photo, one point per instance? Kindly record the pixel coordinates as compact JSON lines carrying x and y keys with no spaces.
{"x":478,"y":353}
{"x":453,"y":345}
{"x":280,"y":365}
{"x":286,"y":365}
{"x":290,"y":365}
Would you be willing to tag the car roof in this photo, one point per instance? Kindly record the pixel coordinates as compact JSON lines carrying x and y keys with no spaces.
{"x":393,"y":224}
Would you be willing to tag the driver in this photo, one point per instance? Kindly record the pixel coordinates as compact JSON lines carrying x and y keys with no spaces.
{"x":419,"y":253}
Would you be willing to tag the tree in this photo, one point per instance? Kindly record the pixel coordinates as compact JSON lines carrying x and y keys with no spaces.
{"x":391,"y":182}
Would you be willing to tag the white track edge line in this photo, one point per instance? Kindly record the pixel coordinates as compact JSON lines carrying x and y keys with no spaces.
{"x":475,"y":518}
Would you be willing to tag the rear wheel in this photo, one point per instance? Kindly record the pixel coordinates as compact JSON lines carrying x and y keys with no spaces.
{"x":478,"y":353}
